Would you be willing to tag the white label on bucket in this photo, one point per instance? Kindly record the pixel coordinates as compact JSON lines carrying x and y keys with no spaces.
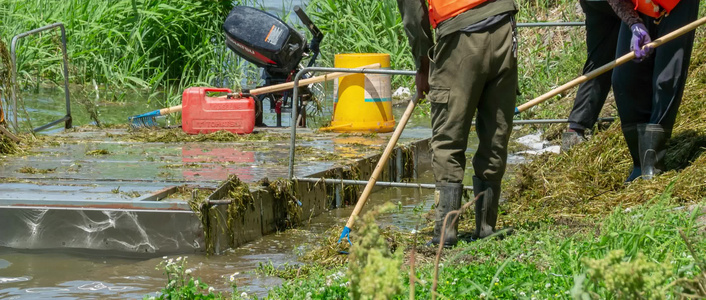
{"x":377,"y":88}
{"x":335,"y":90}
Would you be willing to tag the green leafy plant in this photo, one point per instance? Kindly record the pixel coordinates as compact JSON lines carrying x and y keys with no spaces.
{"x":625,"y":278}
{"x":373,"y":270}
{"x":180,"y":282}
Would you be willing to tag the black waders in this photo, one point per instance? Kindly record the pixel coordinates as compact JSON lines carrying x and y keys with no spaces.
{"x":631,"y":138}
{"x":486,"y":206}
{"x":653,"y":139}
{"x":448,"y":198}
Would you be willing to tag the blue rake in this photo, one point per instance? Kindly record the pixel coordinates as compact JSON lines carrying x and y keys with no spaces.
{"x":149,"y":119}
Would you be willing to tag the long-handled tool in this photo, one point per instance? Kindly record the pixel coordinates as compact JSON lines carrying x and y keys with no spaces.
{"x":398,"y":131}
{"x":148,"y":119}
{"x":609,"y":66}
{"x":378,"y":169}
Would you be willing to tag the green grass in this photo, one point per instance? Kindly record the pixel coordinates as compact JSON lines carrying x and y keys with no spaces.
{"x":542,"y":263}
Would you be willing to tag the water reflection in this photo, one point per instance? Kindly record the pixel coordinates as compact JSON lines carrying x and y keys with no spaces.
{"x":216,"y":163}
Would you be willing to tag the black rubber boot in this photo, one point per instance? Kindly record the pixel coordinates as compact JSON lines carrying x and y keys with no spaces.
{"x":571,"y":138}
{"x":653,"y":139}
{"x":486,"y":206}
{"x":631,"y":138}
{"x":448,"y":198}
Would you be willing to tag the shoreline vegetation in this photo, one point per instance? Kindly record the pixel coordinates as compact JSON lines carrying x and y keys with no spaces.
{"x":579,"y":232}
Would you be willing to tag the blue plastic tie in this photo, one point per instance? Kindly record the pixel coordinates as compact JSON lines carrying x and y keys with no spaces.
{"x":347,"y":234}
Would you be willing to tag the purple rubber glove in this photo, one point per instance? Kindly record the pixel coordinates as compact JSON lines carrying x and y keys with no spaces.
{"x":640,"y":38}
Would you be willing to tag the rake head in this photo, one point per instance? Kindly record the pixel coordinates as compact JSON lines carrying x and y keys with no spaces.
{"x":144,"y":120}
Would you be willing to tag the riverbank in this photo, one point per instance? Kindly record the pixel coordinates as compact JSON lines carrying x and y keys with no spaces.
{"x":579,"y":232}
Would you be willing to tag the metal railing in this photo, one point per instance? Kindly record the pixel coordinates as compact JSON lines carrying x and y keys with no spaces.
{"x":295,"y":100}
{"x":377,"y":183}
{"x":13,"y":55}
{"x":554,"y":121}
{"x":551,"y":24}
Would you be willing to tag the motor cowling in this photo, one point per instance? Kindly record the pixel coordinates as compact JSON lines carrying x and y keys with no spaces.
{"x":263,"y":39}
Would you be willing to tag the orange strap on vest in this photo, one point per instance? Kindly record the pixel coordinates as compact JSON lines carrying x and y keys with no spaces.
{"x":442,"y":10}
{"x":655,"y":8}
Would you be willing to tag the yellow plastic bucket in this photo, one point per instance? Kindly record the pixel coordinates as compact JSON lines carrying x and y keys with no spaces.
{"x":363,"y":101}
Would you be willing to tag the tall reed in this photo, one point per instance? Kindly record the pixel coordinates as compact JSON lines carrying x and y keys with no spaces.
{"x":355,"y":26}
{"x":133,"y":44}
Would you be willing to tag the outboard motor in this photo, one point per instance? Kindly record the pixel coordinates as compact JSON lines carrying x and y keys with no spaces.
{"x":268,"y":42}
{"x":263,"y":39}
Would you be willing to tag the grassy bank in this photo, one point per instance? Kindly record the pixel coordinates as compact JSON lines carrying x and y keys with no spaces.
{"x":652,"y":251}
{"x":553,"y":261}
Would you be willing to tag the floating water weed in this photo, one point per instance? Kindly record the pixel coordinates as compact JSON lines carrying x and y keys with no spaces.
{"x":33,"y":170}
{"x":176,"y":135}
{"x":8,"y":146}
{"x":98,"y":152}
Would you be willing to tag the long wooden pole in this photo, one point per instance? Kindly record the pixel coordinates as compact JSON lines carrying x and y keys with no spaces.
{"x":378,"y":168}
{"x":7,"y":133}
{"x":609,"y":66}
{"x":281,"y":86}
{"x":321,"y":78}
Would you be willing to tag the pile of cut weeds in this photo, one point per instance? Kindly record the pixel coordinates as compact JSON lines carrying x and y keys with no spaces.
{"x":587,"y":181}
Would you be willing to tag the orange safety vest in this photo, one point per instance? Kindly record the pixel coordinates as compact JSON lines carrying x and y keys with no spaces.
{"x":442,"y":10}
{"x":655,"y":8}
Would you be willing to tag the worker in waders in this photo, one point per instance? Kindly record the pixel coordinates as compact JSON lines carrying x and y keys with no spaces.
{"x":472,"y":66}
{"x":648,"y":90}
{"x":602,"y":27}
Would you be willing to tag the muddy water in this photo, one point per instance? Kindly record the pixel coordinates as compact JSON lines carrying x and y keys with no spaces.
{"x":52,"y":275}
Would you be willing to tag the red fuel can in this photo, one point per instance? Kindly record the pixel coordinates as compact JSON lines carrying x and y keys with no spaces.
{"x":201,"y":114}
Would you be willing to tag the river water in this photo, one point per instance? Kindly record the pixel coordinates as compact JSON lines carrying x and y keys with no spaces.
{"x":51,"y":274}
{"x":100,"y":275}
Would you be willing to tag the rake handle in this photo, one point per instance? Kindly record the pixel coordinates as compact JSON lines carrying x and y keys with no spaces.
{"x":320,"y":78}
{"x":381,"y":163}
{"x":609,"y":66}
{"x":169,"y":110}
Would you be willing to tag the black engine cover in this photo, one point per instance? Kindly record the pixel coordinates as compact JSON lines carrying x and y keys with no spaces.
{"x":263,"y":39}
